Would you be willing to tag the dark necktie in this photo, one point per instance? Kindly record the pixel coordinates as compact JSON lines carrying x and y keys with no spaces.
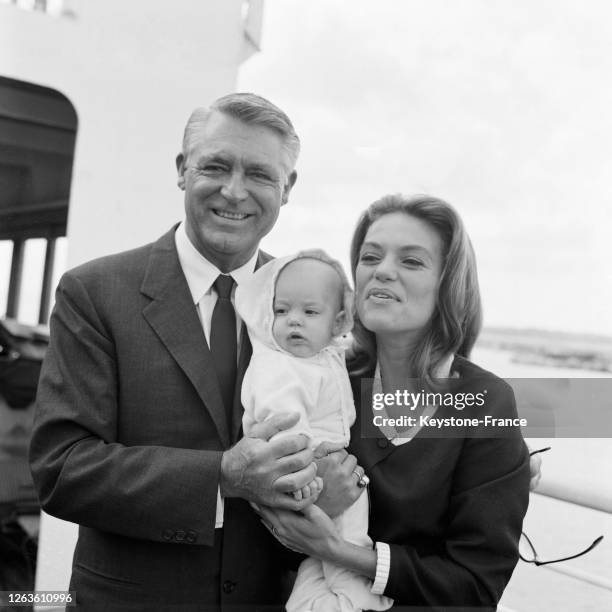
{"x":223,"y":344}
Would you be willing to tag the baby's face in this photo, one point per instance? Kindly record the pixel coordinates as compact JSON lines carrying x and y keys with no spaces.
{"x":307,"y":305}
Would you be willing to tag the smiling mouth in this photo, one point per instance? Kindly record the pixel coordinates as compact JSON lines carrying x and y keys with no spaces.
{"x":233,"y":216}
{"x":382,"y":294}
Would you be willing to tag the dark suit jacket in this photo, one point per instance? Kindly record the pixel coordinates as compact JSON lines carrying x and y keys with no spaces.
{"x":128,"y":438}
{"x":451,"y":508}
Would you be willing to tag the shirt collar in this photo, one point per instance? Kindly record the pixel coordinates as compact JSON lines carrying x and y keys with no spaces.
{"x":201,"y":273}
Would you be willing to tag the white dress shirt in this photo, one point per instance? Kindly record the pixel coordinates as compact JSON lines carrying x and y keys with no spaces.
{"x":201,"y":275}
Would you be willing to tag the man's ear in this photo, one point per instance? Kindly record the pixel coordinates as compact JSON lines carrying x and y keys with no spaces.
{"x":288,"y":186}
{"x":338,"y":325}
{"x":180,"y":168}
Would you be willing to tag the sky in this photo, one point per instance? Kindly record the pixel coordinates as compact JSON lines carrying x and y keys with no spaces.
{"x":500,"y":108}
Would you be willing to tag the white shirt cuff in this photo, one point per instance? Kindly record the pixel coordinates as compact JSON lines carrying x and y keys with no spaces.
{"x":383,"y":566}
{"x":219,"y":516}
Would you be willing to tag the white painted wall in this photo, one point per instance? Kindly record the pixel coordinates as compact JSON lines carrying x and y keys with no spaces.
{"x":133,"y":71}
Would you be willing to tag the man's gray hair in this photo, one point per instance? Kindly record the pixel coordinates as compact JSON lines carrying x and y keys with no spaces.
{"x":250,"y":109}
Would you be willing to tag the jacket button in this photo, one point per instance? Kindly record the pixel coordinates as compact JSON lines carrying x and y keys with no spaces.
{"x":191,"y":537}
{"x":382,"y":442}
{"x":179,"y":536}
{"x":167,"y":534}
{"x":229,"y":586}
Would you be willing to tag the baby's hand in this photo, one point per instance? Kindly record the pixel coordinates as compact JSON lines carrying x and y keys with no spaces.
{"x":312,"y":489}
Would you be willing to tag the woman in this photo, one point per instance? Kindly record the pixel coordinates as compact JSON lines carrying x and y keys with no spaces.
{"x":446,"y":512}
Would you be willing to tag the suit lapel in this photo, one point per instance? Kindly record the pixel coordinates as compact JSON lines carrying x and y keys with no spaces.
{"x":174,"y":318}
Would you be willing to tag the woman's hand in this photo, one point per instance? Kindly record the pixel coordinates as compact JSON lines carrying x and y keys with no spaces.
{"x":311,"y":532}
{"x":337,"y":468}
{"x":535,"y":466}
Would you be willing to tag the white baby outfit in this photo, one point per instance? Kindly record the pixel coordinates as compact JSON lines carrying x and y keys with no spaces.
{"x":318,"y":389}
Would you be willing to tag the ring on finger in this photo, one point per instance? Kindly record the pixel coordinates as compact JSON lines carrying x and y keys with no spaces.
{"x":358,"y":474}
{"x":363,"y":482}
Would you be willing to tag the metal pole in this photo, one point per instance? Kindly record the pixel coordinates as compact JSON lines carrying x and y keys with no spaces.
{"x":14,"y":291}
{"x":45,"y":295}
{"x":598,"y":581}
{"x":595,"y":500}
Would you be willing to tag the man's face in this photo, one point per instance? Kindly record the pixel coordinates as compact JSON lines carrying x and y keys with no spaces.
{"x":235,"y":179}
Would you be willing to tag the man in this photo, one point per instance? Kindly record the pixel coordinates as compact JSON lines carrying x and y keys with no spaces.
{"x":139,"y":397}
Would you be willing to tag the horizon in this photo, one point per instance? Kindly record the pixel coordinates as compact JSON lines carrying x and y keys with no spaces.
{"x":33,"y":264}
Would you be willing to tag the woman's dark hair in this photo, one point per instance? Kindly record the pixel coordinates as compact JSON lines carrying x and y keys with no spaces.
{"x":457,"y":318}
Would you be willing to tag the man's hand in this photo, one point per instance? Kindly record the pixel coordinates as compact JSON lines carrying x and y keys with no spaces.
{"x":337,"y":469}
{"x":265,"y":472}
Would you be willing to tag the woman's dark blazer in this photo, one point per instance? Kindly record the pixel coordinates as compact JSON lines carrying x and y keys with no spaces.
{"x":451,"y":508}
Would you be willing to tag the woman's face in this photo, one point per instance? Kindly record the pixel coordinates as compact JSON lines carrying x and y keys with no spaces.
{"x":396,"y":281}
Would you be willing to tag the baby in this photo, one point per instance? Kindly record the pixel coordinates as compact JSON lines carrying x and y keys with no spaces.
{"x":295,"y":309}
